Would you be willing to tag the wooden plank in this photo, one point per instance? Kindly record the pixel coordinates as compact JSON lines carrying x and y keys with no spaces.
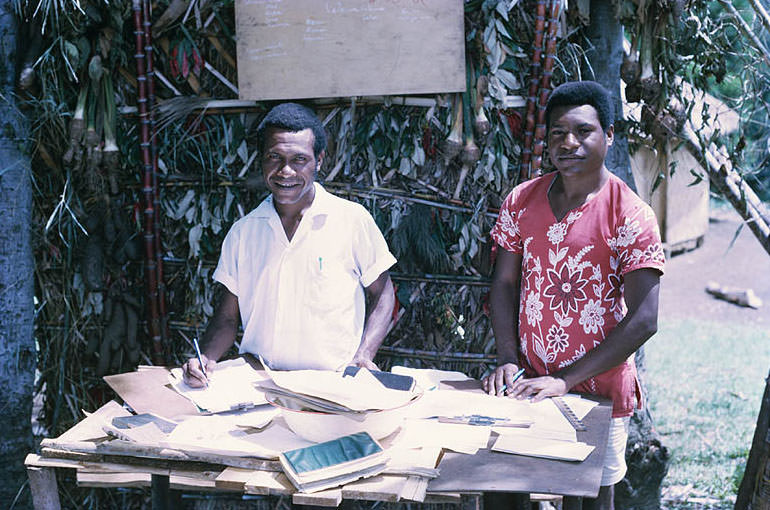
{"x":349,"y":48}
{"x":452,"y":498}
{"x":233,"y":478}
{"x":111,"y":480}
{"x":328,"y":498}
{"x":377,"y":488}
{"x":489,"y":471}
{"x":414,"y":489}
{"x":269,"y":484}
{"x":43,"y":487}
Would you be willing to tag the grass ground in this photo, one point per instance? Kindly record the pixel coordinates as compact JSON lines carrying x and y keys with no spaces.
{"x":706,"y":380}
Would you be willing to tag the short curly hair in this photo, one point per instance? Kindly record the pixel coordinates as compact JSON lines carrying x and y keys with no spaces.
{"x":578,"y":93}
{"x":293,"y":117}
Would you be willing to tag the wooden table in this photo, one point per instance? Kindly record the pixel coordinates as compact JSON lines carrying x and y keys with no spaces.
{"x":122,"y":464}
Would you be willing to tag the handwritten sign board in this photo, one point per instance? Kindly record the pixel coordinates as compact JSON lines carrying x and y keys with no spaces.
{"x":293,"y":49}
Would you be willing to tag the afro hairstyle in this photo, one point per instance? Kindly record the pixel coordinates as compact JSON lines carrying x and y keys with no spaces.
{"x":293,"y":117}
{"x":578,"y":93}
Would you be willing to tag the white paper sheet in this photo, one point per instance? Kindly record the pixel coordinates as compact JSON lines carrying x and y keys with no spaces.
{"x":450,"y":403}
{"x":231,"y":386}
{"x":544,"y":448}
{"x":418,"y":433}
{"x":220,"y":435}
{"x":429,"y":378}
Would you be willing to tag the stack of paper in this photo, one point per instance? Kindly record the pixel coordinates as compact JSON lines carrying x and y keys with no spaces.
{"x":330,"y":391}
{"x":231,"y":386}
{"x":431,"y":433}
{"x":334,"y":463}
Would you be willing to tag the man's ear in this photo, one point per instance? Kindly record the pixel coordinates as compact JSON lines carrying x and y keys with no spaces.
{"x":320,"y":160}
{"x":610,"y":134}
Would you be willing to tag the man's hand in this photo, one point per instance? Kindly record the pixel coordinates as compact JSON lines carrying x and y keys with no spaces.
{"x":539,"y":388}
{"x":360,"y":361}
{"x":501,"y":380}
{"x":193,"y":375}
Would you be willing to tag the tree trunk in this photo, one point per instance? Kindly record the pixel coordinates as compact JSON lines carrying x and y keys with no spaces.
{"x":647,"y":459}
{"x":755,"y":486}
{"x":605,"y":55}
{"x":17,"y":348}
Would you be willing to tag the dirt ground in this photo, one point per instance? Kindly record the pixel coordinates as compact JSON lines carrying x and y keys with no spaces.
{"x":743,"y":264}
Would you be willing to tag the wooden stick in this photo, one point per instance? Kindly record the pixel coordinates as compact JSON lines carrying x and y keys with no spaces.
{"x":534,"y":85}
{"x":746,"y":29}
{"x":151,"y":272}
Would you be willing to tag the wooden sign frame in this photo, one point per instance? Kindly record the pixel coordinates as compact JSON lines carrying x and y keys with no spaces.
{"x":294,"y":49}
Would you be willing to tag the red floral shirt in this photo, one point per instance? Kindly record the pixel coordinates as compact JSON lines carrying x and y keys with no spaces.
{"x":572,"y":277}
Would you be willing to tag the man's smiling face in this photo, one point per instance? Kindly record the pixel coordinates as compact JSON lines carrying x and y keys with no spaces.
{"x":289,"y":165}
{"x":576,"y":141}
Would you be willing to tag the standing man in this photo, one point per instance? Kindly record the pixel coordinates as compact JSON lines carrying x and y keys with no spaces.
{"x":305,"y":272}
{"x":575,"y":288}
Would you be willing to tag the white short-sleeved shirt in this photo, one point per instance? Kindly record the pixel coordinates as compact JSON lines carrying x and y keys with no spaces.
{"x":302,"y":301}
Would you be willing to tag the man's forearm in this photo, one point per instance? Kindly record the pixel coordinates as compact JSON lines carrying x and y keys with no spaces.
{"x":504,"y":308}
{"x":222,"y":328}
{"x":639,"y":324}
{"x":379,"y":312}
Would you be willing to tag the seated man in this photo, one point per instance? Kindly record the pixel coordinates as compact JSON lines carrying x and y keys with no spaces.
{"x":296,"y":269}
{"x":575,"y":288}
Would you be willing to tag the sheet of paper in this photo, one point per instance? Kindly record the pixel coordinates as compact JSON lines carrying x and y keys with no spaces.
{"x":416,"y":433}
{"x":413,"y":461}
{"x":580,"y":406}
{"x":450,"y":403}
{"x":220,"y":435}
{"x":359,"y":393}
{"x":429,"y":378}
{"x":543,"y":448}
{"x":231,"y":386}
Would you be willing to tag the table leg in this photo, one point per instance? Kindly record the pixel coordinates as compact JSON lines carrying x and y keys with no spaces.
{"x":471,"y":502}
{"x":161,"y":494}
{"x":42,"y":485}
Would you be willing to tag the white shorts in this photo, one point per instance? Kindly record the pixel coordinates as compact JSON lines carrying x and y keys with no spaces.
{"x":615,"y":456}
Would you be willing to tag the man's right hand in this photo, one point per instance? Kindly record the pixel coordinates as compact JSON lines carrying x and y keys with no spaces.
{"x":500,"y":381}
{"x":193,"y":375}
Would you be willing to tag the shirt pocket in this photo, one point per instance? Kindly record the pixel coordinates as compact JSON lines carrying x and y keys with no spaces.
{"x":329,"y":288}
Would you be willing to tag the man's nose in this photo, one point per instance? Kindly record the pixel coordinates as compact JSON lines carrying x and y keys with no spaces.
{"x":286,"y":170}
{"x":570,"y":141}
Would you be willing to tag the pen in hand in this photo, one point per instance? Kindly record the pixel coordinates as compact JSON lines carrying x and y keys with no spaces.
{"x":200,"y":360}
{"x":516,"y":377}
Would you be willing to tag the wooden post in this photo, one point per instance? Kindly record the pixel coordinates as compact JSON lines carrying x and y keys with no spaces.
{"x":161,"y":495}
{"x":43,"y":487}
{"x":754,"y":484}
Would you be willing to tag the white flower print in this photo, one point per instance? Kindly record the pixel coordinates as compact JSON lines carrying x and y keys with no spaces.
{"x":557,"y":339}
{"x":508,"y":223}
{"x":579,"y":353}
{"x":556,"y":232}
{"x":573,"y":216}
{"x":534,"y":307}
{"x":592,"y":316}
{"x":628,"y":233}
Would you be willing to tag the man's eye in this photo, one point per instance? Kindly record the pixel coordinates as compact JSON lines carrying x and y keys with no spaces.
{"x":300,"y":159}
{"x":273,"y":156}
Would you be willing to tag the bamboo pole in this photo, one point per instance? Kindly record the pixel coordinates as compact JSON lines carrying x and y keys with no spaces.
{"x":545,"y":88}
{"x":534,"y":85}
{"x":147,"y":189}
{"x":746,"y":29}
{"x":764,"y":17}
{"x":157,"y":243}
{"x":732,"y":186}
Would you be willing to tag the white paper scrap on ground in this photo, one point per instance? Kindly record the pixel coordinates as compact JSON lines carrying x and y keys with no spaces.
{"x":522,"y":444}
{"x":427,"y":378}
{"x":220,"y":435}
{"x":231,"y":386}
{"x":430,"y":433}
{"x":359,"y":393}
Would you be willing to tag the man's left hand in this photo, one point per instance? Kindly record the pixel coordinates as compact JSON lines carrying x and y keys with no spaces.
{"x":539,"y":388}
{"x":362,"y":362}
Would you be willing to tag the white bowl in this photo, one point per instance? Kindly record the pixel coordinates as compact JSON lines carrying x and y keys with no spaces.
{"x":318,"y":426}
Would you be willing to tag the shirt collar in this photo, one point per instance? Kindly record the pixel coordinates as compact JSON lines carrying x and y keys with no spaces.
{"x":322,"y":204}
